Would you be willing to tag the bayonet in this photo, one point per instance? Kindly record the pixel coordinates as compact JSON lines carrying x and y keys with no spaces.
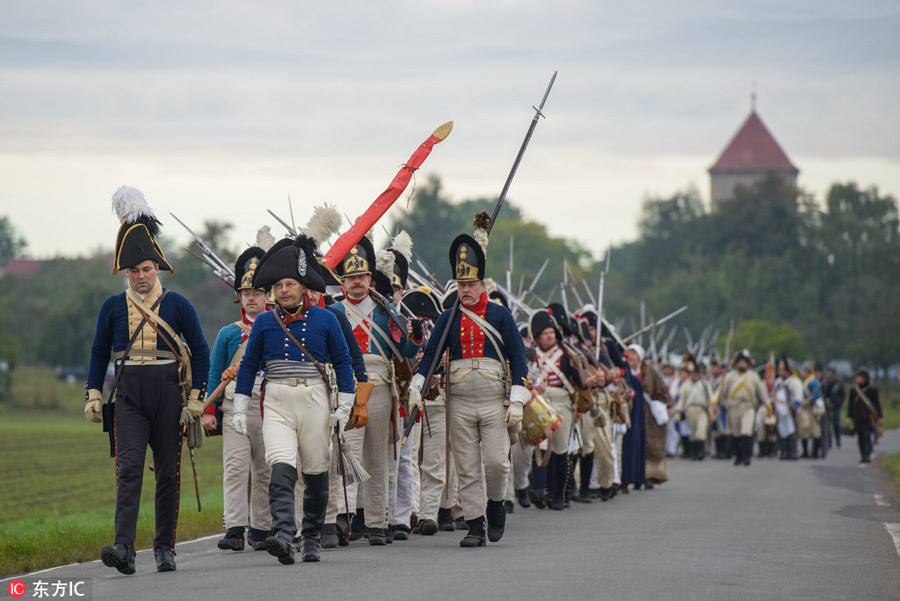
{"x":222,"y":269}
{"x":284,"y":224}
{"x":645,"y":329}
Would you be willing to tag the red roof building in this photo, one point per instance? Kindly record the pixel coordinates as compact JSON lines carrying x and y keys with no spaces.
{"x":750,"y":155}
{"x":21,"y":267}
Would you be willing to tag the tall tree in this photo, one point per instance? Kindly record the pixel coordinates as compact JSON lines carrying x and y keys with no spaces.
{"x":11,"y":243}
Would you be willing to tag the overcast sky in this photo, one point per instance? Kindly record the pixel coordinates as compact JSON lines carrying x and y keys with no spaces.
{"x":224,"y":108}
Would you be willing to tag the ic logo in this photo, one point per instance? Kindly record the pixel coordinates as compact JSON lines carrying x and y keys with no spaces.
{"x":16,"y":589}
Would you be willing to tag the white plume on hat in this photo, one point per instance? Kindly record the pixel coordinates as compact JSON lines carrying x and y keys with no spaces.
{"x":264,"y":238}
{"x":403,"y":244}
{"x":323,"y":224}
{"x":129,"y":203}
{"x":384,"y":262}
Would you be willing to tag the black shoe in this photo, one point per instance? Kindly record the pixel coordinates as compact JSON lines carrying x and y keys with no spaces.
{"x":165,"y":559}
{"x":509,"y":506}
{"x":445,"y":520}
{"x":358,"y":524}
{"x":342,"y":529}
{"x":686,"y":450}
{"x":413,"y":520}
{"x":377,"y":537}
{"x":522,"y":498}
{"x":475,"y":535}
{"x":536,"y":499}
{"x":557,"y":506}
{"x":817,"y":448}
{"x":329,"y":536}
{"x":605,"y":494}
{"x":280,"y":548}
{"x":461,"y":523}
{"x":119,"y":556}
{"x":496,"y":519}
{"x":309,"y":549}
{"x":234,"y":539}
{"x":428,"y":527}
{"x":388,"y":536}
{"x":400,"y":532}
{"x":623,"y":488}
{"x":257,"y":539}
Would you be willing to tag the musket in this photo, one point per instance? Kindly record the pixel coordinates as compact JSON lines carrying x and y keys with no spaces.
{"x":284,"y":224}
{"x":590,"y":294}
{"x":429,"y":273}
{"x":223,"y":270}
{"x":647,"y":328}
{"x":442,"y":342}
{"x":572,"y":286}
{"x":599,"y":327}
{"x":515,"y":301}
{"x":562,"y":289}
{"x":194,"y":470}
{"x":535,"y":281}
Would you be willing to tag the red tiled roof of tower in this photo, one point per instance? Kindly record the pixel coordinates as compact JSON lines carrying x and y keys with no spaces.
{"x":753,"y":149}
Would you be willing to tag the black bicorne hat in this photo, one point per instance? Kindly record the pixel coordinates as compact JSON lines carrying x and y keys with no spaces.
{"x":583,"y":330}
{"x":290,"y":259}
{"x":421,"y":304}
{"x":359,"y":261}
{"x":561,"y":316}
{"x":245,"y":267}
{"x":467,"y":261}
{"x":136,"y":238}
{"x":539,"y":321}
{"x":744,"y":355}
{"x":449,"y":298}
{"x":499,"y":298}
{"x":590,"y":316}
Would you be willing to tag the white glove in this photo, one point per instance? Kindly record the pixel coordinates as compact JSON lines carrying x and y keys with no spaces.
{"x":415,"y":393}
{"x":239,"y":419}
{"x":519,"y":394}
{"x":341,"y":415}
{"x":92,"y":407}
{"x":514,"y":414}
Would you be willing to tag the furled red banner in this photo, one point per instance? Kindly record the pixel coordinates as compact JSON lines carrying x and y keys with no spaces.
{"x":384,"y":201}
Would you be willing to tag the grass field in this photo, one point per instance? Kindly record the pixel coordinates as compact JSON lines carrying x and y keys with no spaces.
{"x":57,"y":481}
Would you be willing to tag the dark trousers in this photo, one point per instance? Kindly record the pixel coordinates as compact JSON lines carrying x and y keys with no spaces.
{"x":148,"y":407}
{"x":864,"y":436}
{"x":836,"y":424}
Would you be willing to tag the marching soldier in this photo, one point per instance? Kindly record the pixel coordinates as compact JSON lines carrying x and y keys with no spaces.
{"x":810,"y":412}
{"x":306,"y":358}
{"x":381,"y":341}
{"x":740,"y":394}
{"x":487,"y":367}
{"x":243,"y":457}
{"x":143,"y":326}
{"x":864,"y":412}
{"x":694,"y":398}
{"x":788,"y":392}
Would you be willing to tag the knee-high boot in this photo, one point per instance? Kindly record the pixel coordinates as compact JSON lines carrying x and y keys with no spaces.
{"x":586,"y":466}
{"x":315,"y":503}
{"x":281,"y":503}
{"x":737,"y":445}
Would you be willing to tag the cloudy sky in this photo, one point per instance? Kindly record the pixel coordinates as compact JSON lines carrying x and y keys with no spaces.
{"x":224,"y":108}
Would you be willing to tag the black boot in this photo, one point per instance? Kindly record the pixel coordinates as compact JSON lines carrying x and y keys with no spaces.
{"x":281,"y":503}
{"x":329,"y":536}
{"x":805,"y":444}
{"x":539,"y":477}
{"x":358,"y":525}
{"x":475,"y":536}
{"x":522,"y":498}
{"x":234,"y":539}
{"x":699,"y":450}
{"x":496,"y":520}
{"x":783,"y":448}
{"x":342,"y":527}
{"x":730,"y":443}
{"x":119,"y":556}
{"x":557,"y":474}
{"x":315,"y":504}
{"x":445,"y":520}
{"x":587,"y":468}
{"x":817,"y":448}
{"x":569,"y":482}
{"x":747,"y":449}
{"x":686,"y":447}
{"x":792,"y":448}
{"x":428,"y":527}
{"x":257,"y":539}
{"x":165,"y":558}
{"x":737,"y":448}
{"x":400,"y":531}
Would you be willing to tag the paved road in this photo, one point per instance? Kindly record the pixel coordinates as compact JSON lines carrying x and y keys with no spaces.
{"x":777,"y":530}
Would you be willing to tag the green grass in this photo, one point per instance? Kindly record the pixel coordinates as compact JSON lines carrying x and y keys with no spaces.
{"x":890,"y":405}
{"x":892,"y":464}
{"x":57,"y":489}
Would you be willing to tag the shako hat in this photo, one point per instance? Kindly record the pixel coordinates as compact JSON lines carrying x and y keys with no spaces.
{"x":245,"y":267}
{"x":467,"y":253}
{"x":359,"y":261}
{"x":136,"y":239}
{"x":401,"y":248}
{"x":290,"y":259}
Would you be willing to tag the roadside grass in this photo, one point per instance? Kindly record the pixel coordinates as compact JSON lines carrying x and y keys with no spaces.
{"x":892,"y":464}
{"x":57,"y":488}
{"x":890,"y":406}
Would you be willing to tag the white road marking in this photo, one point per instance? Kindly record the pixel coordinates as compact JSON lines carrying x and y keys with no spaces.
{"x":894,"y":531}
{"x":880,"y":501}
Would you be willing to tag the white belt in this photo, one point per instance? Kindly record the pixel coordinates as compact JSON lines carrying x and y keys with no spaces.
{"x":293,"y":382}
{"x":477,"y":364}
{"x":148,"y":362}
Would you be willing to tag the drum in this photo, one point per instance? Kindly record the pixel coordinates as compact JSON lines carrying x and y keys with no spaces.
{"x":539,"y":420}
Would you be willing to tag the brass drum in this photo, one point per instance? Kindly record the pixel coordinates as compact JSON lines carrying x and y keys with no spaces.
{"x":539,"y":420}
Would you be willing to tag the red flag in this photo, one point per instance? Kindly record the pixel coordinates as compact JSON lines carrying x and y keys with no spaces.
{"x":384,"y":201}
